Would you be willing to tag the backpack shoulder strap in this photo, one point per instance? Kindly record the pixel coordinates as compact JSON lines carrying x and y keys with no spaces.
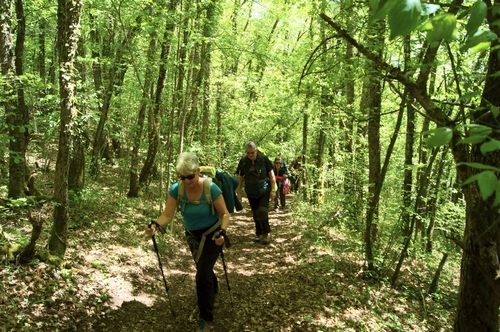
{"x":207,"y":189}
{"x":180,"y":194}
{"x":207,"y":184}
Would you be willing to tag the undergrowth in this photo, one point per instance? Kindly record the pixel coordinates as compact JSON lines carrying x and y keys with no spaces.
{"x":339,"y":245}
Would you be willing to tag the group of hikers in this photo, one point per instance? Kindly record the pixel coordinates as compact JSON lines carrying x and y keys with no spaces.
{"x":206,"y":211}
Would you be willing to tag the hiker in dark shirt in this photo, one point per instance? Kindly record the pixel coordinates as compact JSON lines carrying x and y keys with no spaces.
{"x":260,"y":185}
{"x":297,"y":173}
{"x":280,"y":173}
{"x":201,"y":225}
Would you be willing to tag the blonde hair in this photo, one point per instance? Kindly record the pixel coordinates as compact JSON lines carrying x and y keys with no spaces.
{"x":187,"y":162}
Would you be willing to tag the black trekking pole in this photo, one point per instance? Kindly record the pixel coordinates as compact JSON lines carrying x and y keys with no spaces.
{"x":162,"y":230}
{"x":228,"y":244}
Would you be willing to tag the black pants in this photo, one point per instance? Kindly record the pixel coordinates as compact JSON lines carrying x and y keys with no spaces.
{"x":279,"y":196}
{"x":206,"y":281}
{"x":260,"y":212}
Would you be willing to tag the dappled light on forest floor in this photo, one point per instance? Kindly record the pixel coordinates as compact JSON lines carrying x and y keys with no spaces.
{"x":112,"y":282}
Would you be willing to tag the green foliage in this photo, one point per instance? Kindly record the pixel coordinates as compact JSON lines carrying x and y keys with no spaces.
{"x":20,"y":202}
{"x":487,"y":180}
{"x":490,"y":146}
{"x":477,"y":16}
{"x":439,"y":27}
{"x":479,"y":41}
{"x":405,"y":16}
{"x":438,"y":137}
{"x":477,"y":134}
{"x":263,"y":80}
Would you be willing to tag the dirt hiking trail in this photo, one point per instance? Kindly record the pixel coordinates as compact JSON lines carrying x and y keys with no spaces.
{"x":268,"y":290}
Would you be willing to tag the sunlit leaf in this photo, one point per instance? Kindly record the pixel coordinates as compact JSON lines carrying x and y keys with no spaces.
{"x":481,"y":47}
{"x":381,"y":8}
{"x":495,"y":10}
{"x":480,"y":38}
{"x":374,"y":4}
{"x":470,"y":95}
{"x":438,"y":137}
{"x":444,"y":26}
{"x":404,"y":17}
{"x":495,"y":110}
{"x":426,"y":26}
{"x":477,"y":16}
{"x":474,"y":139}
{"x":497,"y":197}
{"x":490,"y":146}
{"x":480,"y":166}
{"x":477,"y":129}
{"x":471,"y":179}
{"x":488,"y":183}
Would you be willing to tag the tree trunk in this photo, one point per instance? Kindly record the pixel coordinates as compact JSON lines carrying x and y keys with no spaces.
{"x":205,"y":63}
{"x":409,"y":143}
{"x":371,"y":102}
{"x":352,"y":184}
{"x":433,"y":202}
{"x":254,"y":86}
{"x":305,"y":123}
{"x":179,"y":99}
{"x":420,"y":209}
{"x":435,"y":280}
{"x":408,"y":163}
{"x":100,"y":138}
{"x":406,"y":245}
{"x":6,"y":43}
{"x":76,"y":177}
{"x":479,"y":297}
{"x":14,"y":116}
{"x":53,"y":67}
{"x":28,"y":252}
{"x":68,"y":24}
{"x":134,"y":185}
{"x":324,"y":103}
{"x":154,"y":118}
{"x":42,"y":69}
{"x":115,"y":78}
{"x":22,"y":109}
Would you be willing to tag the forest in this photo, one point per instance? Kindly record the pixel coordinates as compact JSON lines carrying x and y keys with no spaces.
{"x":392,"y":106}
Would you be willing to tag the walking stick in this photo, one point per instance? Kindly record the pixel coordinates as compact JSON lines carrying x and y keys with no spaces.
{"x":217,"y":235}
{"x":162,"y":230}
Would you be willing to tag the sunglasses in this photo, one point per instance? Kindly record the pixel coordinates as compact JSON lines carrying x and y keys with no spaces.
{"x":187,"y":177}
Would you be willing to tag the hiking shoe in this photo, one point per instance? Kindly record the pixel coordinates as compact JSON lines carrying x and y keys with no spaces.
{"x":257,"y":238}
{"x":202,"y":324}
{"x":265,"y":239}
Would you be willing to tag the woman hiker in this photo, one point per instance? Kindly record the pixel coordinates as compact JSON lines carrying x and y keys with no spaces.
{"x":201,"y":226}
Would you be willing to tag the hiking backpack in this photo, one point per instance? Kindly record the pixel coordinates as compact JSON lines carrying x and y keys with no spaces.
{"x":211,"y":175}
{"x":256,"y":176}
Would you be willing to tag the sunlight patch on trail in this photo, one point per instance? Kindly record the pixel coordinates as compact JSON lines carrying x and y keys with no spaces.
{"x":123,"y":291}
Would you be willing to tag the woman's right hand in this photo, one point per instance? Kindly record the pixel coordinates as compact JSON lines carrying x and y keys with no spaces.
{"x":150,"y":229}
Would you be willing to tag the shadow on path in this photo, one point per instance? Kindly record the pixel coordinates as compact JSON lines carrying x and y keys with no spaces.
{"x":268,"y":290}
